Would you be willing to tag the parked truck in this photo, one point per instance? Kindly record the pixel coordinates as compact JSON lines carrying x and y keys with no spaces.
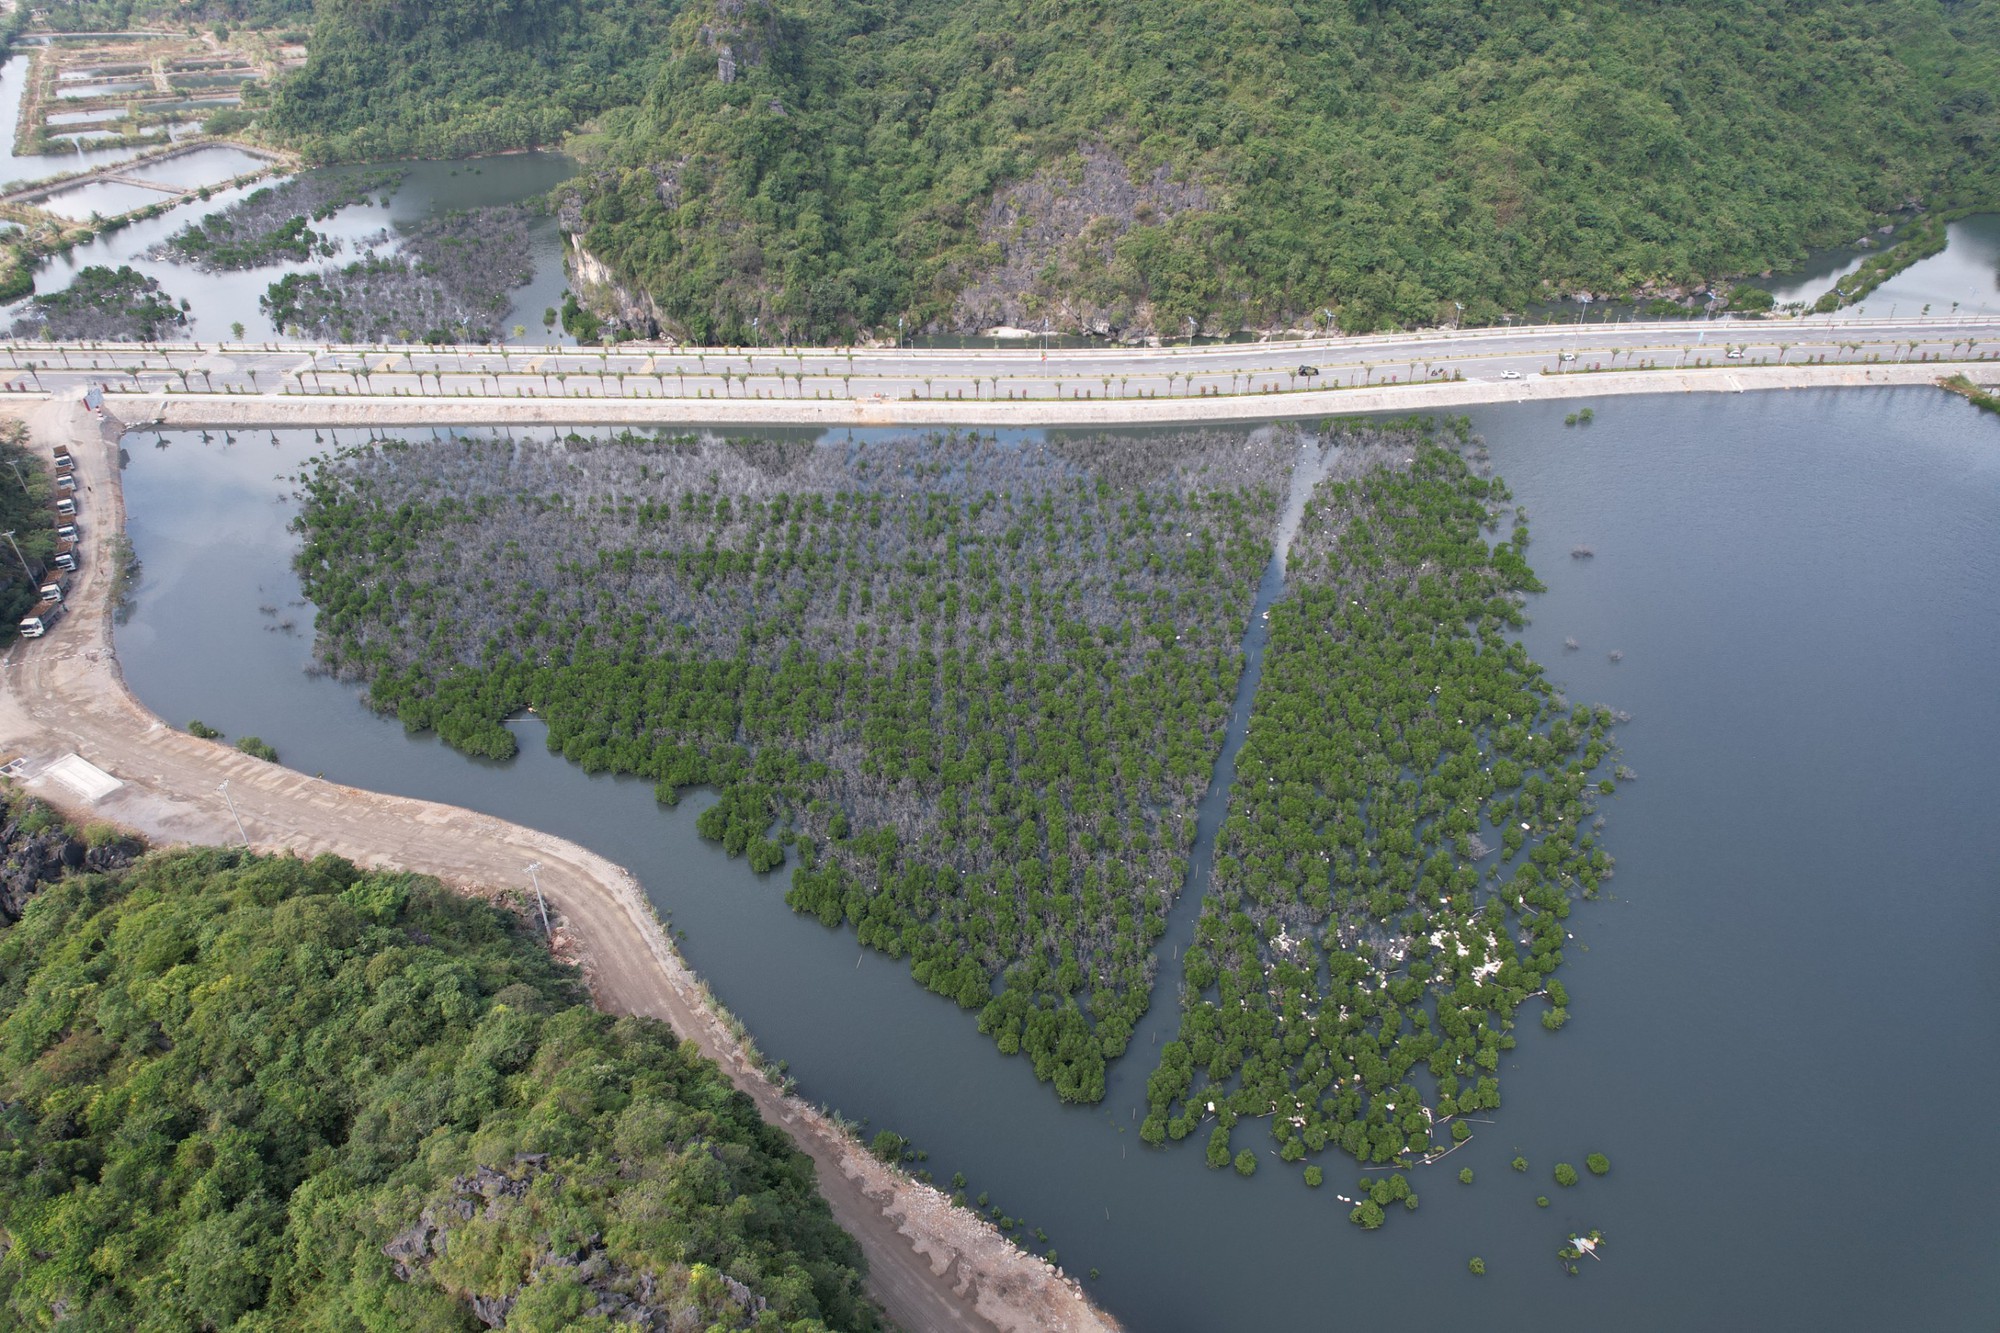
{"x":41,"y":620}
{"x":65,"y":461}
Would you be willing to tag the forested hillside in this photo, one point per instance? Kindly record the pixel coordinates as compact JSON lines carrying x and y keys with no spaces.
{"x":1106,"y":164}
{"x":25,"y":511}
{"x":254,"y":1092}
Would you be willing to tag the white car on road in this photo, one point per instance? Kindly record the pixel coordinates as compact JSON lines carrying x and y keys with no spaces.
{"x":1510,"y":374}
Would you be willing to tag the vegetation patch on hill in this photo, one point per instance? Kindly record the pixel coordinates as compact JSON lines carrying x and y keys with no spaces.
{"x":255,"y":1092}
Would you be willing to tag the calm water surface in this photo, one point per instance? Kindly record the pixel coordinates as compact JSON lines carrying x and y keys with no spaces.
{"x":1965,"y":275}
{"x":1783,"y":1015}
{"x":219,"y":300}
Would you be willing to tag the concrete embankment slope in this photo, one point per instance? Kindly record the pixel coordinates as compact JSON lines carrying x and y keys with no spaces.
{"x":281,"y":410}
{"x":83,"y":742}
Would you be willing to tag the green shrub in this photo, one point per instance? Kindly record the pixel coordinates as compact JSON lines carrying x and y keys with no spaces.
{"x":1751,"y":300}
{"x":1565,"y":1174}
{"x":1598,"y":1163}
{"x":257,"y":749}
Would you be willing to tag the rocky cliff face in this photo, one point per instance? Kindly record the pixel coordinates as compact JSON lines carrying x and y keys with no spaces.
{"x":1055,"y":238}
{"x":505,"y":1200}
{"x":738,"y":33}
{"x":621,"y":308}
{"x":36,"y":847}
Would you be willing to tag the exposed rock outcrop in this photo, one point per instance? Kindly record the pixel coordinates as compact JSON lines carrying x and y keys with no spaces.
{"x":36,"y":848}
{"x":617,"y":1291}
{"x":1055,"y":237}
{"x":621,"y":308}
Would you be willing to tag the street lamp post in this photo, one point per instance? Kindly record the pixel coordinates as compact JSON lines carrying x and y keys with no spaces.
{"x":223,"y":787}
{"x":541,"y":903}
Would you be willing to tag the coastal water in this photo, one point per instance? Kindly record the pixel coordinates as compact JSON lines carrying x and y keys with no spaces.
{"x":1782,"y":1012}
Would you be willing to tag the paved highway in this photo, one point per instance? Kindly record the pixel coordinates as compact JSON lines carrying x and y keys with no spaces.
{"x":865,"y":374}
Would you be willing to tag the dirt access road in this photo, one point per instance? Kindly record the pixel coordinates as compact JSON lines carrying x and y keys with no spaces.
{"x":935,"y":1268}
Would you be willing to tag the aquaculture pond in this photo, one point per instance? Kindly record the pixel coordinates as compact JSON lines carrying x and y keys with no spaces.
{"x":1782,"y":997}
{"x":28,"y":167}
{"x":220,"y":300}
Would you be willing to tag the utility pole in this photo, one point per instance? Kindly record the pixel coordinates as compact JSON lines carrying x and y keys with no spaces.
{"x":18,"y":556}
{"x":540,"y":902}
{"x":224,"y":789}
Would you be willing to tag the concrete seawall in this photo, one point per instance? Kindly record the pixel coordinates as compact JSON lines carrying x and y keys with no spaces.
{"x":281,"y":410}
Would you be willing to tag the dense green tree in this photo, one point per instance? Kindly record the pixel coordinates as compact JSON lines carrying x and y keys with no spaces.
{"x":265,"y":1092}
{"x":26,"y":488}
{"x":828,"y":167}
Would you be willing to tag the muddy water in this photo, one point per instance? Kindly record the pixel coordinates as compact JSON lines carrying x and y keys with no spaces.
{"x":1782,"y":1013}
